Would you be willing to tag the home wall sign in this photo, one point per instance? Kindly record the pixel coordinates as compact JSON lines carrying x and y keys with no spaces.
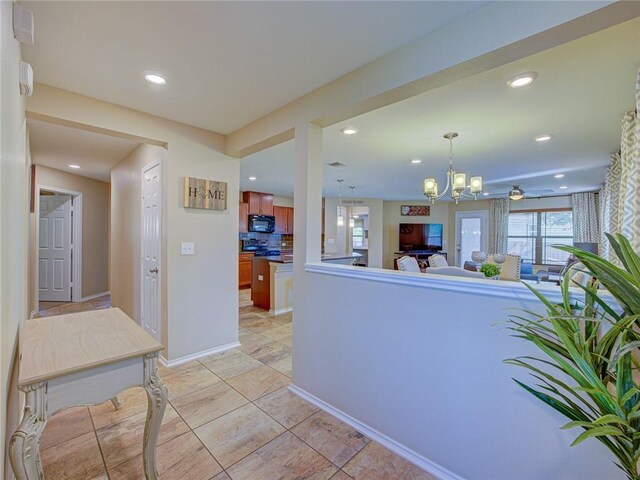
{"x":415,"y":210}
{"x":206,"y":194}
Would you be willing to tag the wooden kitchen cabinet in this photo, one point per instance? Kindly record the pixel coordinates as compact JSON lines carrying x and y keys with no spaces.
{"x":284,"y":219}
{"x":281,"y":219}
{"x":290,"y":221}
{"x":243,"y":217}
{"x":259,"y":203}
{"x":245,"y":270}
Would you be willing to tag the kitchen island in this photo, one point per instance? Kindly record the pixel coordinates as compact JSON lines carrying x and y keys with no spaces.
{"x":272,"y":279}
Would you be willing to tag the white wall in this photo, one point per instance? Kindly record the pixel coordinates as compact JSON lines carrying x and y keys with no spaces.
{"x":423,"y":365}
{"x":126,"y":192}
{"x":202,"y":296}
{"x":279,"y":201}
{"x":392,"y":218}
{"x":341,"y":236}
{"x":14,"y":236}
{"x":541,"y":203}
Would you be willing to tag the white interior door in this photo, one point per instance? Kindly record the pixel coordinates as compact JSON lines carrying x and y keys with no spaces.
{"x":54,"y":249}
{"x":471,"y":234}
{"x":151,"y":238}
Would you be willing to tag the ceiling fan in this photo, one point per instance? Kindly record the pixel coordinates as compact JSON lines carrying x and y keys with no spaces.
{"x":517,"y":193}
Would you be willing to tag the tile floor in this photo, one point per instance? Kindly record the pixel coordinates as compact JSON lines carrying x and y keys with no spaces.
{"x":230,"y":417}
{"x":49,"y":309}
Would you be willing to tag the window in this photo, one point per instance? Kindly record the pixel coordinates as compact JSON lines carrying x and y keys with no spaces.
{"x":358,"y":233}
{"x":532,"y":234}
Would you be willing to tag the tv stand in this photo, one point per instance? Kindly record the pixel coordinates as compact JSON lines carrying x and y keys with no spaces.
{"x":419,"y":255}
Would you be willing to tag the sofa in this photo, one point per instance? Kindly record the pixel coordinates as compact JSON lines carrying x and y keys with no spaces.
{"x":454,"y":272}
{"x":526,"y":269}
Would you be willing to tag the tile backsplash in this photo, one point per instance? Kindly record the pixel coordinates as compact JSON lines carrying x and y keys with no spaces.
{"x":275,"y":241}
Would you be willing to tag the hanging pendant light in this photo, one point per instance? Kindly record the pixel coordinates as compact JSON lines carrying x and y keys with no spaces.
{"x":352,"y":218}
{"x":456,"y":181}
{"x":340,"y":216}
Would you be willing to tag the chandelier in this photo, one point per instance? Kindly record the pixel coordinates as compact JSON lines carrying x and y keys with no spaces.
{"x":456,"y":181}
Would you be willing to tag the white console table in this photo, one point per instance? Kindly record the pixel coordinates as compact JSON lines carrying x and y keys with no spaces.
{"x":83,"y":359}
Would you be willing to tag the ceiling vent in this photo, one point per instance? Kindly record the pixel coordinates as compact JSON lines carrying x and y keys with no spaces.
{"x":26,"y":79}
{"x":336,"y":164}
{"x":22,"y":24}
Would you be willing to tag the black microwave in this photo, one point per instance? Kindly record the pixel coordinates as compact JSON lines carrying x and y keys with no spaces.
{"x":262,"y":223}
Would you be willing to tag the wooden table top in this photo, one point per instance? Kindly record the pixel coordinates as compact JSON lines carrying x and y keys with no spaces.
{"x":55,"y":346}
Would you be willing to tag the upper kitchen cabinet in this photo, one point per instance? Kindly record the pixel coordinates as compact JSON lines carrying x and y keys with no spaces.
{"x":259,"y":203}
{"x":244,"y":220}
{"x":284,"y":219}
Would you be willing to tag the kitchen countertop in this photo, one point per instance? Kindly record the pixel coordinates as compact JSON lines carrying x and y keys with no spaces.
{"x":288,"y":258}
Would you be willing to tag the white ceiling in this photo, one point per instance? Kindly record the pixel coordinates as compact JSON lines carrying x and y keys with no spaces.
{"x":57,"y":146}
{"x":582,"y":91}
{"x":226,"y":63}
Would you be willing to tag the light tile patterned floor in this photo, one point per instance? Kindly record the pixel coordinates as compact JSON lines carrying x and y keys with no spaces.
{"x":230,"y":417}
{"x":49,"y":309}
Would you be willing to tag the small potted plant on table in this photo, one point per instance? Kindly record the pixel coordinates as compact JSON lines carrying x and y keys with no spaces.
{"x":490,"y":270}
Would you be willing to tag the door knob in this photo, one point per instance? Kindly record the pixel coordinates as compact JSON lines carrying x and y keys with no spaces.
{"x":154,"y":270}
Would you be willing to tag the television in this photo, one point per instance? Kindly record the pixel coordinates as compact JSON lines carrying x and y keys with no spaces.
{"x":420,"y":237}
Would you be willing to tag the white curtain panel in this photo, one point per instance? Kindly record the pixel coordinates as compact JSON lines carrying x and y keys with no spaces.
{"x":620,"y":207}
{"x":585,"y":217}
{"x":498,"y":225}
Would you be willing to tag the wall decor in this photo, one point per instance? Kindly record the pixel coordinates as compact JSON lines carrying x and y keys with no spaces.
{"x":206,"y":194}
{"x":415,"y":210}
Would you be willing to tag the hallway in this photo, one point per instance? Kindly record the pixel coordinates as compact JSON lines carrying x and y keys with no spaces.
{"x":230,"y":416}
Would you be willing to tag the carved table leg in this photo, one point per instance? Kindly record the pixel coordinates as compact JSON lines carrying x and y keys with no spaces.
{"x":157,"y":401}
{"x":117,"y":402}
{"x":24,"y":447}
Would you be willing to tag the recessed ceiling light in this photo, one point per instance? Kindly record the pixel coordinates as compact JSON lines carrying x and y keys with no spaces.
{"x":155,"y":79}
{"x":252,"y":178}
{"x":543,"y":138}
{"x":559,"y":175}
{"x":522,"y":80}
{"x":416,"y":161}
{"x":485,"y":194}
{"x":349,"y":130}
{"x":563,"y":187}
{"x":74,"y":166}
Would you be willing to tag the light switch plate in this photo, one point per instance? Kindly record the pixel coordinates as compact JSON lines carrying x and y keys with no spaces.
{"x":187,"y":248}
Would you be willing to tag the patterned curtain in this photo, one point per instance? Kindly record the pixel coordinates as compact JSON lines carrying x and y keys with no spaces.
{"x":620,"y":202}
{"x":610,"y":206}
{"x":498,"y":226}
{"x":585,"y":217}
{"x":629,"y":215}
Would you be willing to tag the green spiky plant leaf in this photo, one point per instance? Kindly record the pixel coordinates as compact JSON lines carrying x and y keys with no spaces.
{"x":596,"y":346}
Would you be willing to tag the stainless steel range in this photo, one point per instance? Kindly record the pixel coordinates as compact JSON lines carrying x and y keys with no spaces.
{"x":259,"y":247}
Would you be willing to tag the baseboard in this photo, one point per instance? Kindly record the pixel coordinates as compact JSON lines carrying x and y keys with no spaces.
{"x":281,"y":311}
{"x":195,"y":356}
{"x":95,"y":295}
{"x":424,"y":463}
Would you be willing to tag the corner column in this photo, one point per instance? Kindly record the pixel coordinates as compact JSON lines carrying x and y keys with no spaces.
{"x":307,"y":198}
{"x":307,"y":201}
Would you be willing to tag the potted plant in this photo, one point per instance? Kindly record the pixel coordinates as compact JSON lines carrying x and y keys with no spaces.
{"x":594,"y":344}
{"x":490,"y":270}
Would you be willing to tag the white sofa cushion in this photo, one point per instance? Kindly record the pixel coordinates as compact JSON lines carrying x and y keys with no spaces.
{"x":408,"y":264}
{"x":438,"y":261}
